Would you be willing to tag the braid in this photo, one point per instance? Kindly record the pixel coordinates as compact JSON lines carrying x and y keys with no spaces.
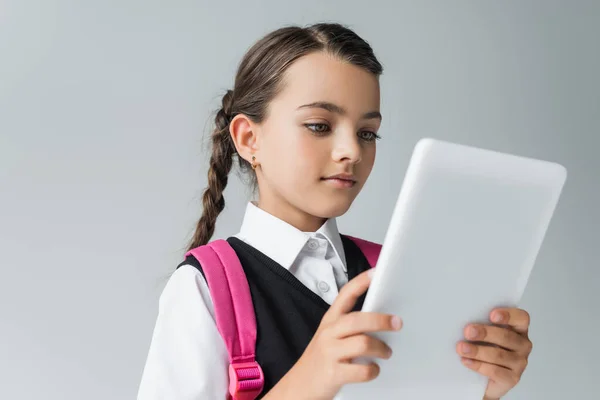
{"x":221,"y":161}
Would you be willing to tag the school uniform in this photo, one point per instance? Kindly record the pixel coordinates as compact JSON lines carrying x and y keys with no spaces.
{"x":293,"y":277}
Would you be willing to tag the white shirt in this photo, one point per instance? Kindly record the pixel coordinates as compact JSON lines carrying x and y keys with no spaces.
{"x":188,"y":359}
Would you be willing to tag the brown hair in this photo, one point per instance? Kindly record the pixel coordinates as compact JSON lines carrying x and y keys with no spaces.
{"x":257,"y":82}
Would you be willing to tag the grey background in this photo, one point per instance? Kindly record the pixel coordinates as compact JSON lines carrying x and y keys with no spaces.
{"x":103,"y":106}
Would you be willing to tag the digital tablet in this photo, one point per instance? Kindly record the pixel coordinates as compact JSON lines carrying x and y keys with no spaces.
{"x":463,"y":239}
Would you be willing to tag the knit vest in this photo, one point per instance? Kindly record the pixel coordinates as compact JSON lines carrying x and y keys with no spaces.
{"x":287,"y":312}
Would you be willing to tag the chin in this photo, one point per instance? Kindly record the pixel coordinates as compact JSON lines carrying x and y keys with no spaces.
{"x":331,"y":209}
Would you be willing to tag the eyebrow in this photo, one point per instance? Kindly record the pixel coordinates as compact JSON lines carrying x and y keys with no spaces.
{"x":334,"y":108}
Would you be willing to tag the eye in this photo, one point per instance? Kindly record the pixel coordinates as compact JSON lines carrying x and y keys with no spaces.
{"x":368,"y":136}
{"x":318,"y":128}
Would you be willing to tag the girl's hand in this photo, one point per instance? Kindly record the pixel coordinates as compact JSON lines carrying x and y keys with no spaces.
{"x":326,"y":364}
{"x":499,"y":351}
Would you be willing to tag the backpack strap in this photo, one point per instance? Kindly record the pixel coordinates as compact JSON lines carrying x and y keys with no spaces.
{"x":369,"y":249}
{"x":234,"y":314}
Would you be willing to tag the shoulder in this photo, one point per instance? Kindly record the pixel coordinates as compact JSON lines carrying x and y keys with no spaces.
{"x":187,"y":356}
{"x":186,"y":287}
{"x":191,"y":261}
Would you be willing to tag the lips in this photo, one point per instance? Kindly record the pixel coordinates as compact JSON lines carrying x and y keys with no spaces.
{"x":342,"y":177}
{"x":341,"y":180}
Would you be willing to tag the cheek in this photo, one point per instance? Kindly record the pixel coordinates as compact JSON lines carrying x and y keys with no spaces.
{"x":312,"y":154}
{"x":294,"y":155}
{"x":300,"y":151}
{"x":368,"y":160}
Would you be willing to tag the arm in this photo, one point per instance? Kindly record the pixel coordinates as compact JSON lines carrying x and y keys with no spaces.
{"x":187,"y":359}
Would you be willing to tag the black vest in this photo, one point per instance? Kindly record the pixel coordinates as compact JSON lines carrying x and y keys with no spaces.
{"x":287,"y":312}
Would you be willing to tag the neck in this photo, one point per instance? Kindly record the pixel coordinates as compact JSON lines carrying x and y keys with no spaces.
{"x":292,"y":215}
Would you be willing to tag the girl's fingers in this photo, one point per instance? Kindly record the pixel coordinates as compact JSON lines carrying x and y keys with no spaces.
{"x":504,"y":337}
{"x":363,"y":346}
{"x":348,"y":296}
{"x":493,"y":355}
{"x":494,"y":372}
{"x":356,"y":323}
{"x":356,"y":373}
{"x":515,"y":318}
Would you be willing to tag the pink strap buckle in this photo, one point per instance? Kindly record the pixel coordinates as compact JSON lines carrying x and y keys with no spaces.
{"x":246,"y":380}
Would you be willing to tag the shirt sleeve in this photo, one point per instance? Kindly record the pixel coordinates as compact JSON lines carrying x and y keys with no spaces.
{"x":187,"y":359}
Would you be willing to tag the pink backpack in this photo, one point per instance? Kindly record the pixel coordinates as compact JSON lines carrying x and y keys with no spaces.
{"x":234,"y":311}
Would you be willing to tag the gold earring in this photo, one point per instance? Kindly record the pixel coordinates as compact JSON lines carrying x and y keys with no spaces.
{"x":253,"y":162}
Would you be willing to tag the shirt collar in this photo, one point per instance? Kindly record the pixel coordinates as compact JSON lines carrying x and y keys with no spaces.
{"x":330,"y":231}
{"x":281,"y":241}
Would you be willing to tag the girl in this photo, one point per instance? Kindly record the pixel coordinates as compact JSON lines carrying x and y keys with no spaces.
{"x":302,"y":119}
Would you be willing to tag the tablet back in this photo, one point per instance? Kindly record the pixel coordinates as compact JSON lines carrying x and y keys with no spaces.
{"x":463,"y":239}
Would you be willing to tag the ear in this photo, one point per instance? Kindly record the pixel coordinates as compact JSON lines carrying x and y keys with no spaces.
{"x":244,"y":133}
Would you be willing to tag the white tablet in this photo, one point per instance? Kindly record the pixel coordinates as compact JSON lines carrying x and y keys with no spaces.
{"x":463,"y":239}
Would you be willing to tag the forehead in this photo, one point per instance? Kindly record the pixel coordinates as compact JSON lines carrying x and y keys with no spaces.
{"x":323,"y":77}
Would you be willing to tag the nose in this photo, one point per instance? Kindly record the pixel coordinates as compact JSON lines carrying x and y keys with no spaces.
{"x":347,"y":148}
